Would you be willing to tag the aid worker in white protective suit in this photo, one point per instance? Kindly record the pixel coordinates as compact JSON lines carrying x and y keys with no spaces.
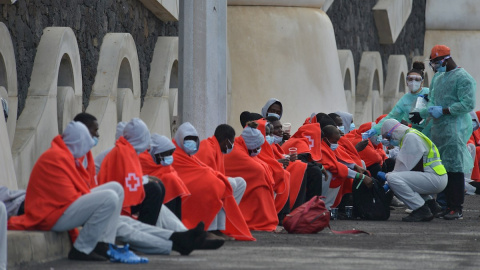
{"x":418,"y":171}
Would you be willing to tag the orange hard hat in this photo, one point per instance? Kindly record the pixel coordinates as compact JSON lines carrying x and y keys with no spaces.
{"x":439,"y":50}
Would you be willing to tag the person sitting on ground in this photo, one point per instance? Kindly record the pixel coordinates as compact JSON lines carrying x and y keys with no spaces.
{"x":157,"y":162}
{"x":122,"y":165}
{"x":307,"y":141}
{"x":70,"y":204}
{"x":371,"y":154}
{"x":418,"y":171}
{"x":343,"y":170}
{"x":280,"y":175}
{"x":274,"y":108}
{"x":212,"y":199}
{"x":258,"y":202}
{"x":212,"y":152}
{"x":296,"y":168}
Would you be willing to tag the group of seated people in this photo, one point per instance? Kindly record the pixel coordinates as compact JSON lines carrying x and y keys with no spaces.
{"x":158,"y":194}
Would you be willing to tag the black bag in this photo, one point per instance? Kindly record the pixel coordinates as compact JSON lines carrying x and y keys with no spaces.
{"x":371,"y":204}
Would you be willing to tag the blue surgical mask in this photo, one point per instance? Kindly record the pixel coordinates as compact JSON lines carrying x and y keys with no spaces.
{"x":190,"y":147}
{"x":441,"y":69}
{"x":269,"y":139}
{"x":277,"y":139}
{"x":341,"y":128}
{"x":352,"y":126}
{"x":95,"y":139}
{"x":229,"y":150}
{"x":333,"y":146}
{"x":274,"y":115}
{"x":167,"y":161}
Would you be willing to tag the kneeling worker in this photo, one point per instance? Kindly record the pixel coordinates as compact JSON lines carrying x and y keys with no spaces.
{"x":418,"y":171}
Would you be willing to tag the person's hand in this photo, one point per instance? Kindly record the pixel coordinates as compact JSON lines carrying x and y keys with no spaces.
{"x":286,"y":136}
{"x":381,"y":176}
{"x":361,"y":145}
{"x":435,"y":111}
{"x":324,"y":172}
{"x":284,"y":162}
{"x":415,"y":117}
{"x":368,"y":181}
{"x":293,"y":157}
{"x":359,"y":169}
{"x":371,"y":133}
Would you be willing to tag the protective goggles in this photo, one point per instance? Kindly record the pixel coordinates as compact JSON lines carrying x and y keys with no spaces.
{"x":434,"y":65}
{"x":390,"y":132}
{"x":411,"y":78}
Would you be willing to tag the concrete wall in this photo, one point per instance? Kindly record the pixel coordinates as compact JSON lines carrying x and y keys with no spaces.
{"x":283,"y":52}
{"x":355,"y":30}
{"x":462,"y":36}
{"x":90,"y":22}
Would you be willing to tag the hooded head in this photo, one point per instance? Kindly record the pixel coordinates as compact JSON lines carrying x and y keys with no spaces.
{"x":160,"y":144}
{"x":394,"y":128}
{"x":77,"y":138}
{"x":267,"y":106}
{"x":253,"y":138}
{"x":120,"y":127}
{"x":346,"y":119}
{"x":137,"y":134}
{"x":187,"y":130}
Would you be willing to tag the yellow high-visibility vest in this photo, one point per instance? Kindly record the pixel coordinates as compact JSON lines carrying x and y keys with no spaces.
{"x":433,"y":157}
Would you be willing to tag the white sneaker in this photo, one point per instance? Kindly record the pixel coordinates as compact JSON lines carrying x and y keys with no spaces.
{"x":396,"y":202}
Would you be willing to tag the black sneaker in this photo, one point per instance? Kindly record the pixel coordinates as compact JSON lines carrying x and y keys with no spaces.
{"x":454,"y":214}
{"x":435,"y":208}
{"x":421,"y":214}
{"x":76,"y":254}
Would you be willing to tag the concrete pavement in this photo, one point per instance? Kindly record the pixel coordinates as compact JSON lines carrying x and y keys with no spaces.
{"x":393,"y":244}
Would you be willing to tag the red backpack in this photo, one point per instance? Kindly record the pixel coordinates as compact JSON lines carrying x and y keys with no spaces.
{"x":311,"y":217}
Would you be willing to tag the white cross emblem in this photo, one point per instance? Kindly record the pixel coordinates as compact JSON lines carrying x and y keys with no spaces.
{"x":132,"y":182}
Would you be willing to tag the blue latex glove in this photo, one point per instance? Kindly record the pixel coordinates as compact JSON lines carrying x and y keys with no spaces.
{"x":381,"y":176}
{"x":435,"y":111}
{"x":370,"y":133}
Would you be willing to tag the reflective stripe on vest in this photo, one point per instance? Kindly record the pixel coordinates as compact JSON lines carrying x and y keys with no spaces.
{"x":433,"y":157}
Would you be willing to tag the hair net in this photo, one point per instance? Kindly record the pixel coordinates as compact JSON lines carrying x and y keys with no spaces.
{"x":253,"y":138}
{"x":78,"y":139}
{"x":137,"y":134}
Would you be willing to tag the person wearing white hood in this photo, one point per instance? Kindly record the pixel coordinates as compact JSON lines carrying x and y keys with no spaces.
{"x":347,"y":120}
{"x":418,"y":171}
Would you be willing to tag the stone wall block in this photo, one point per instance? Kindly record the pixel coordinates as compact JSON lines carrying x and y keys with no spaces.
{"x":395,"y":84}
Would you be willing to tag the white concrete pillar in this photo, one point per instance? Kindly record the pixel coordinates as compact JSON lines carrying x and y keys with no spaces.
{"x":203,"y":64}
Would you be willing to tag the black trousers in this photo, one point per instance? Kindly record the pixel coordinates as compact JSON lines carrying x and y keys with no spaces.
{"x":175,"y":206}
{"x":455,"y":190}
{"x":149,"y":210}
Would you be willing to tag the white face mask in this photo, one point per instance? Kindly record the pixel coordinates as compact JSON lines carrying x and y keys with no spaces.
{"x":167,"y":161}
{"x":333,"y":146}
{"x":190,"y":147}
{"x":274,"y":115}
{"x":414,"y":86}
